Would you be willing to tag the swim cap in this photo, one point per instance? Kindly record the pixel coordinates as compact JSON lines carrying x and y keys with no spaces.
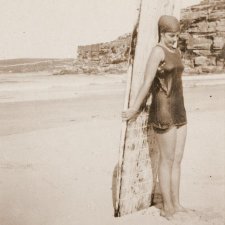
{"x":168,"y":24}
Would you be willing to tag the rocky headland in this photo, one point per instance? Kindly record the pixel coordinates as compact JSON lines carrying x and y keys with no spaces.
{"x":202,"y":42}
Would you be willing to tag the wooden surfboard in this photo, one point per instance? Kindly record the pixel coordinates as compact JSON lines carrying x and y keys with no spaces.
{"x":138,"y":155}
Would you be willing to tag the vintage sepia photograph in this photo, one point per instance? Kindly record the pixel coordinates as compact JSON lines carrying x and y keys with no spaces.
{"x":112,"y":112}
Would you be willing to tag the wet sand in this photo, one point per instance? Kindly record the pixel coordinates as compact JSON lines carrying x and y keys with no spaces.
{"x":59,"y":139}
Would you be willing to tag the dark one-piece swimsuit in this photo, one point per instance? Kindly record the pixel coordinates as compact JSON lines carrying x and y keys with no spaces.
{"x":167,"y":107}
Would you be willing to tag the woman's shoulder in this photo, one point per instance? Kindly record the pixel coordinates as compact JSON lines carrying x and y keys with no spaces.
{"x":158,"y":48}
{"x":157,"y":51}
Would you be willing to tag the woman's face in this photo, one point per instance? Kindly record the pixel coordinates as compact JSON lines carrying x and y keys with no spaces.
{"x":170,"y":39}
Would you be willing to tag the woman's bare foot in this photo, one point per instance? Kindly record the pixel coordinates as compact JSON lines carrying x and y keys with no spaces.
{"x":167,"y":213}
{"x":180,"y":208}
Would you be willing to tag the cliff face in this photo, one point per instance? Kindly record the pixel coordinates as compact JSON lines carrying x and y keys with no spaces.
{"x":203,"y":36}
{"x":111,"y":57}
{"x":202,"y":42}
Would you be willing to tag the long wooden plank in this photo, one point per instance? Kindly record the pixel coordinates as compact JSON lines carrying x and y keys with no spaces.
{"x":138,"y":155}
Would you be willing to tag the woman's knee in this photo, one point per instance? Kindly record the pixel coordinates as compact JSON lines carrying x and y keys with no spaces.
{"x":177,"y":161}
{"x":167,"y":160}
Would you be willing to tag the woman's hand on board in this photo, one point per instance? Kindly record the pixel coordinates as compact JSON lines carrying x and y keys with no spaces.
{"x":129,"y":114}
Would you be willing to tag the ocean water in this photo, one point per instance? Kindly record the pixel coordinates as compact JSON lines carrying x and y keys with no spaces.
{"x":44,"y":86}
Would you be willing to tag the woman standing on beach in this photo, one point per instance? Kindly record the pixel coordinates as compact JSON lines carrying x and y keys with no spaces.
{"x":167,"y":113}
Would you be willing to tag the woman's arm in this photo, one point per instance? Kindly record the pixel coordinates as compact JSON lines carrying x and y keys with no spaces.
{"x":156,"y":56}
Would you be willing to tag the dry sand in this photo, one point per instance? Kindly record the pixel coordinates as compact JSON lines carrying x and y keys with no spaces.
{"x":59,"y":138}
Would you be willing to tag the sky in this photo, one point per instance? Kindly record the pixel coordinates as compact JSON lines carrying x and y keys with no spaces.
{"x":54,"y":28}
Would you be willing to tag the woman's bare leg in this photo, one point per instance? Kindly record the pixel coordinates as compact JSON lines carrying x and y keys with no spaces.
{"x":175,"y":179}
{"x":167,"y":143}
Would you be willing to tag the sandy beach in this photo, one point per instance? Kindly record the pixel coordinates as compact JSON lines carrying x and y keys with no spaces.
{"x":59,"y":143}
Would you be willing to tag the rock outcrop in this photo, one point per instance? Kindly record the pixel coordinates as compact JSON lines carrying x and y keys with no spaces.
{"x":109,"y":57}
{"x":203,"y":37}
